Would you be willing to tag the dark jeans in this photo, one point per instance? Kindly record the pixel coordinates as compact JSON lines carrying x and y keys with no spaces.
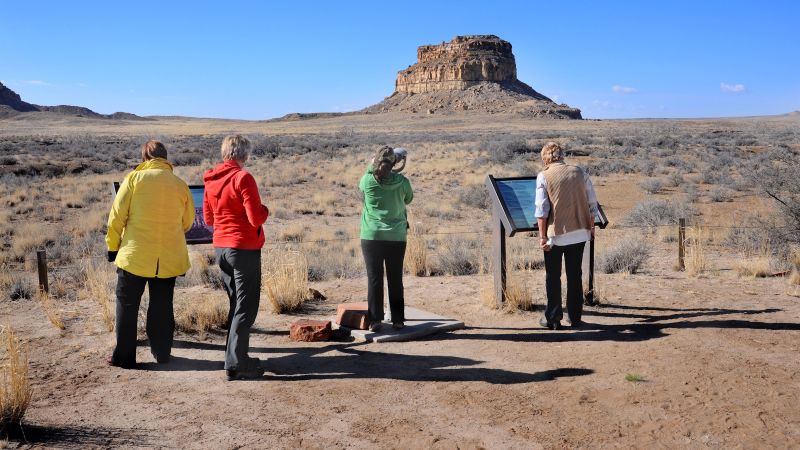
{"x":160,"y":319}
{"x":241,"y":275}
{"x":376,"y":254}
{"x":573,"y":256}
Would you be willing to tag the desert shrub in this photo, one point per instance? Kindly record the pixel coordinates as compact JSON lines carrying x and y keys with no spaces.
{"x":627,"y":255}
{"x":646,"y":166}
{"x":285,"y":278}
{"x":15,"y":386}
{"x":653,"y":213}
{"x":328,"y":260}
{"x":755,"y":237}
{"x":20,"y":287}
{"x":674,"y":179}
{"x":458,"y":256}
{"x":605,"y":167}
{"x":474,"y":195}
{"x":691,"y":191}
{"x":651,"y":185}
{"x":501,"y":152}
{"x":720,"y":194}
{"x":779,"y":179}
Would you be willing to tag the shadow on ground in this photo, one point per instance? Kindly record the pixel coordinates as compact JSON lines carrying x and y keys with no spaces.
{"x":78,"y":437}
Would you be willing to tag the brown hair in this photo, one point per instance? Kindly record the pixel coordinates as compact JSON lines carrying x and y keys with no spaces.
{"x":383,"y":162}
{"x":552,"y":152}
{"x":153,"y":149}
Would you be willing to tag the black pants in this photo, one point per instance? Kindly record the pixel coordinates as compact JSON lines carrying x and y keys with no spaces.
{"x":573,"y":256}
{"x":241,"y":275}
{"x":376,"y":254}
{"x":160,"y":319}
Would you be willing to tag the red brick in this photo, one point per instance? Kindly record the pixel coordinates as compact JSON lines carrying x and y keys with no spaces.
{"x":352,"y":315}
{"x":310,"y":330}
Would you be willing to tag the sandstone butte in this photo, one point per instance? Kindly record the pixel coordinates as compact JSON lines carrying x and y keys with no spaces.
{"x":469,"y":73}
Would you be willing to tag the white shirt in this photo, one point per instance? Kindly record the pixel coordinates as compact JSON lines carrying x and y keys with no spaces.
{"x":543,"y":211}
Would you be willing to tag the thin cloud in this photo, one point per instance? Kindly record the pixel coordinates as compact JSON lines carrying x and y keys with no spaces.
{"x":734,"y":88}
{"x":37,"y":83}
{"x":624,"y":89}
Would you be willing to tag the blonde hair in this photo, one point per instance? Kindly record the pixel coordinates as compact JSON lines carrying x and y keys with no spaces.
{"x":235,"y":147}
{"x":552,"y":152}
{"x":153,"y":149}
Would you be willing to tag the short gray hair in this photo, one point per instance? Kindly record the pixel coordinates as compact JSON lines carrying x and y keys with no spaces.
{"x":235,"y":147}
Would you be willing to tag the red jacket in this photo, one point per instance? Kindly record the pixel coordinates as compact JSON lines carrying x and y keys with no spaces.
{"x":232,"y":205}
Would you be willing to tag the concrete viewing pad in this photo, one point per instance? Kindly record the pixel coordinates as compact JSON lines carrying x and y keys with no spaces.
{"x":418,"y":323}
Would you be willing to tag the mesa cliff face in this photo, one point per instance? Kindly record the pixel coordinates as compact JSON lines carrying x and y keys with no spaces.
{"x":458,"y":64}
{"x":469,"y":73}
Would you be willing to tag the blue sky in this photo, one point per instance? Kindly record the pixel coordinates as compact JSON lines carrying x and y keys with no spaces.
{"x":256,"y":60}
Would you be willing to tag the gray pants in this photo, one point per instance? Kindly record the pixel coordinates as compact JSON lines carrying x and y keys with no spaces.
{"x":241,"y":275}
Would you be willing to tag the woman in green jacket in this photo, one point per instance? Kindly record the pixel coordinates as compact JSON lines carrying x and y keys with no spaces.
{"x":384,"y":225}
{"x":151,"y":212}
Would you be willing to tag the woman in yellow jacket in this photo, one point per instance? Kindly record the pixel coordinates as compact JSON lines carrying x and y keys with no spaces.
{"x":146,"y":240}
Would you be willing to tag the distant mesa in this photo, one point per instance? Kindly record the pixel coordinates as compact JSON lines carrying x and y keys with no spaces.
{"x":469,"y":73}
{"x":12,"y":104}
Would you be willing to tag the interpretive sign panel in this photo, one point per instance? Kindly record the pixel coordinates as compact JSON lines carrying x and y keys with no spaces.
{"x":513,"y":210}
{"x":200,"y":233}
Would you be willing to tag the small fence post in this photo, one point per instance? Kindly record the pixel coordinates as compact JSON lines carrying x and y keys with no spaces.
{"x":681,"y":243}
{"x":41,"y":260}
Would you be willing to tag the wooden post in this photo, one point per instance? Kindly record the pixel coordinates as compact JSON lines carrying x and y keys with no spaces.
{"x":499,"y":257}
{"x":41,"y":260}
{"x":681,"y":244}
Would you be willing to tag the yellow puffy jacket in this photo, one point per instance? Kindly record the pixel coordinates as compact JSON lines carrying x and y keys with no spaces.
{"x":148,"y":220}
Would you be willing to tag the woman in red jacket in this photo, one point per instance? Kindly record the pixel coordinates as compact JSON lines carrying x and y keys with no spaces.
{"x":232,"y":206}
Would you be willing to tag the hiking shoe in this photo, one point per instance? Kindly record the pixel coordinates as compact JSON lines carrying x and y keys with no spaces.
{"x":398,"y":325}
{"x":375,"y":327}
{"x":247,"y":374}
{"x":550,"y":325}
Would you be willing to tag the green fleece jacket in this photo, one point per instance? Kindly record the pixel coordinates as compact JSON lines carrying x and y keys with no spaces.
{"x":383,"y":217}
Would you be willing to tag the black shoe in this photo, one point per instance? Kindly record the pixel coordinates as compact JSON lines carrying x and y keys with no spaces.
{"x":248,"y":374}
{"x":375,"y":327}
{"x":398,"y":325}
{"x":163,"y":359}
{"x":550,"y":325}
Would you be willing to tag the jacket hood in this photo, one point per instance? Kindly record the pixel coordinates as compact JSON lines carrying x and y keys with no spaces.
{"x":155,"y":163}
{"x":215,"y":179}
{"x":392,"y":182}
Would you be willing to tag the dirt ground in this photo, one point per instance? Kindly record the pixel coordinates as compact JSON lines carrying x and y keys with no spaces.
{"x":718,"y":356}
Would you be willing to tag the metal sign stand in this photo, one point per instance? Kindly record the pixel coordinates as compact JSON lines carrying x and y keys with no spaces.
{"x":503,"y":225}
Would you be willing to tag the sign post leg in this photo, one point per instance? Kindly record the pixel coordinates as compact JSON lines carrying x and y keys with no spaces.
{"x":499,"y":258}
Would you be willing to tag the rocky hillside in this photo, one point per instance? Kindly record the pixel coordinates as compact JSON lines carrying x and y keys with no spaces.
{"x":469,"y":73}
{"x":11,"y":104}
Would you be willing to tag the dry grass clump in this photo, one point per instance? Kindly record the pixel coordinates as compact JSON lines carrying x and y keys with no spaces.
{"x":193,"y":315}
{"x":295,"y":232}
{"x":519,"y":296}
{"x":459,"y":256}
{"x":795,"y":278}
{"x":285,"y":278}
{"x":416,"y":259}
{"x":51,"y":310}
{"x":15,"y":386}
{"x":627,"y":255}
{"x":98,"y":284}
{"x":18,"y":286}
{"x":696,"y":262}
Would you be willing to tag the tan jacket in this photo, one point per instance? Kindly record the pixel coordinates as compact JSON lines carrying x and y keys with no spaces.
{"x":566,"y":189}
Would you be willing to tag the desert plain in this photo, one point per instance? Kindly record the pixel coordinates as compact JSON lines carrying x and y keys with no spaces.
{"x":694,"y":358}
